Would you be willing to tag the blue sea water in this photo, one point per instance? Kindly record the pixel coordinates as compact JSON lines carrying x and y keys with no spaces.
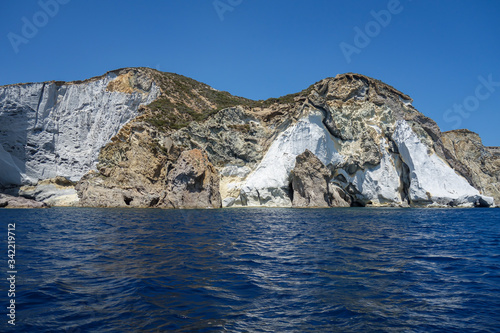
{"x":254,"y":270}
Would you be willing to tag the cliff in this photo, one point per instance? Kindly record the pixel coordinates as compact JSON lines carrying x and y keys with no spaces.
{"x":137,"y":137}
{"x":482,"y":164}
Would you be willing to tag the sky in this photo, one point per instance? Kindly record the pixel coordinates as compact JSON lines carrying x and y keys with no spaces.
{"x":444,"y":54}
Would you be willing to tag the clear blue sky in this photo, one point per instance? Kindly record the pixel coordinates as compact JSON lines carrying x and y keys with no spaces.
{"x":434,"y":51}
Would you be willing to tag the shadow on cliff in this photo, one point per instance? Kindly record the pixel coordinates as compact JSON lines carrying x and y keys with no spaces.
{"x":16,"y":122}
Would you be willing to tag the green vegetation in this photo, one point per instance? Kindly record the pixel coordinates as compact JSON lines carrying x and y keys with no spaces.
{"x":185,"y":100}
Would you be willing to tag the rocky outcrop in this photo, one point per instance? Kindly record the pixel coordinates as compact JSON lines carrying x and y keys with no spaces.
{"x":311,"y":184}
{"x":8,"y":201}
{"x":57,"y":191}
{"x":141,"y":168}
{"x":193,"y":182}
{"x":432,"y":180}
{"x":310,"y":180}
{"x":132,"y":169}
{"x":481,"y":163}
{"x":473,"y":201}
{"x":381,"y":150}
{"x":142,"y":138}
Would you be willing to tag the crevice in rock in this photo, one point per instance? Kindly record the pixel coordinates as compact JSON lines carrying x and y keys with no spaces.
{"x":328,"y":196}
{"x":327,"y":120}
{"x":154,"y":202}
{"x":405,"y":182}
{"x":243,"y":199}
{"x":127,"y":200}
{"x":258,"y":196}
{"x":38,"y":105}
{"x":353,"y":192}
{"x":357,"y":203}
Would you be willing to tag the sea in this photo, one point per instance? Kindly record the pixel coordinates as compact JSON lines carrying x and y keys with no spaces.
{"x":250,"y":270}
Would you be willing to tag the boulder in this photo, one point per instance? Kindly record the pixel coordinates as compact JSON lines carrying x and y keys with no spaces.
{"x":473,"y":201}
{"x":192,"y":183}
{"x":311,"y":184}
{"x":9,"y":201}
{"x":58,"y":191}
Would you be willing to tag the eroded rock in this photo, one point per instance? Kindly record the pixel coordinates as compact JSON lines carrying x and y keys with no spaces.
{"x":193,"y":182}
{"x":481,"y":163}
{"x":311,"y":184}
{"x":8,"y":201}
{"x":58,"y":191}
{"x":195,"y":146}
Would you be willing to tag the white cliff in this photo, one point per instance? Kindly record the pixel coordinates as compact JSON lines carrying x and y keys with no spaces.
{"x":432,"y":180}
{"x":380,"y":184}
{"x":50,"y":130}
{"x":269,"y":184}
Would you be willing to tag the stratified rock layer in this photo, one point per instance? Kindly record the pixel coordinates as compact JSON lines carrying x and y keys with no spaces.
{"x":57,"y":191}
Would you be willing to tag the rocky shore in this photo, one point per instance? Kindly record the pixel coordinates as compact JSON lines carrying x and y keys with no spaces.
{"x":136,"y":137}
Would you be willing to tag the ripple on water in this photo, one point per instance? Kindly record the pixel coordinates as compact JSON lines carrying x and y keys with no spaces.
{"x":259,"y":270}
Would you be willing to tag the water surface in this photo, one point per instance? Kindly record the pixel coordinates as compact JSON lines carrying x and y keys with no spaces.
{"x":255,"y":270}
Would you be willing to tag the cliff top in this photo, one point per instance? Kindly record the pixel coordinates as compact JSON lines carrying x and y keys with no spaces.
{"x":196,"y":84}
{"x":371,"y":81}
{"x":183,"y":99}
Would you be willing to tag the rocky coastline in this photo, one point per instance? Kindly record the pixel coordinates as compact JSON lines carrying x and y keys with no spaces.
{"x":136,"y":137}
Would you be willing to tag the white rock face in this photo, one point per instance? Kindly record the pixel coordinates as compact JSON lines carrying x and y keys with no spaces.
{"x":474,"y":201}
{"x":381,"y":184}
{"x":235,"y":171}
{"x":269,"y":184}
{"x":432,"y":179}
{"x":48,"y":130}
{"x":10,"y":168}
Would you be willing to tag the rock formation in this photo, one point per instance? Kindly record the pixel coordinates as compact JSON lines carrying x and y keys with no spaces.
{"x":9,"y":201}
{"x":55,"y":129}
{"x":58,"y":191}
{"x":193,"y":182}
{"x":131,"y":171}
{"x":482,"y":164}
{"x":311,"y":184}
{"x":137,"y":137}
